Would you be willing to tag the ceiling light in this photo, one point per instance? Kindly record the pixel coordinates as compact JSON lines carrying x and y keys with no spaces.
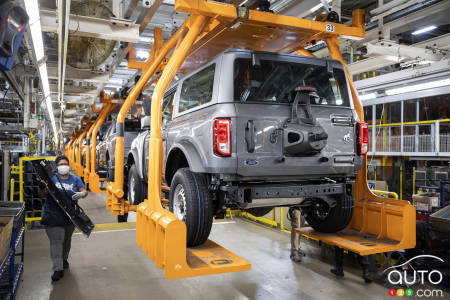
{"x":32,"y":9}
{"x":418,"y":87}
{"x":423,"y":30}
{"x":367,"y":96}
{"x":44,"y":79}
{"x":36,"y":37}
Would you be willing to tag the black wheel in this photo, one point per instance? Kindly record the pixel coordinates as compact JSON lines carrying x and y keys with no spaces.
{"x":135,"y":192}
{"x":135,"y":187}
{"x":324,"y":218}
{"x":191,"y":202}
{"x":122,"y":219}
{"x":110,"y":169}
{"x":259,"y":211}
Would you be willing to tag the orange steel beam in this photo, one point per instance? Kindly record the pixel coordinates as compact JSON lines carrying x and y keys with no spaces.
{"x":306,"y":27}
{"x":71,"y":148}
{"x":94,"y":179}
{"x":87,"y":147}
{"x":78,"y":166}
{"x":384,"y":217}
{"x":114,"y":190}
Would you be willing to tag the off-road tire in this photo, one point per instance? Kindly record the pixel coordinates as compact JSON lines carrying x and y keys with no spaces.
{"x":337,"y":219}
{"x":110,"y":170}
{"x":198,"y":214}
{"x":134,"y":184}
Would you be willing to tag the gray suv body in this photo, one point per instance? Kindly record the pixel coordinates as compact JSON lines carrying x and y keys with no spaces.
{"x":255,"y":130}
{"x":107,"y":145}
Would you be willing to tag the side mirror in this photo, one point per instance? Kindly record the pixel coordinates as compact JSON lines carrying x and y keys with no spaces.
{"x":145,"y":122}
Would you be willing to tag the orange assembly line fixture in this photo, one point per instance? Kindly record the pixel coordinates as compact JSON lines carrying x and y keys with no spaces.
{"x":212,"y":28}
{"x":87,"y":148}
{"x":79,"y":146}
{"x":94,"y":178}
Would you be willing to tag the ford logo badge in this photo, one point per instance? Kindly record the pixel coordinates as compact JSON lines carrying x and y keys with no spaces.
{"x":251,"y":162}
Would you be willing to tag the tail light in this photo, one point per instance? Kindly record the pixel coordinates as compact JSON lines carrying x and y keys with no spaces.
{"x":222,"y":136}
{"x":363,"y":138}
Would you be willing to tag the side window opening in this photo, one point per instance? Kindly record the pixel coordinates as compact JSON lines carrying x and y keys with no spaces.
{"x":197,"y":89}
{"x":167,"y":108}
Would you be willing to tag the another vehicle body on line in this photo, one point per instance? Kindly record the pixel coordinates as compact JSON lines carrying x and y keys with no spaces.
{"x":106,"y":146}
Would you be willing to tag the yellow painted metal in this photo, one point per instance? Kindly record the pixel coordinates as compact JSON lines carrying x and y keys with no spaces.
{"x":413,"y":123}
{"x":386,"y":193}
{"x":78,"y":165}
{"x":89,"y":150}
{"x":11,"y":190}
{"x":15,"y":170}
{"x":160,"y":234}
{"x":259,"y":219}
{"x":389,"y":223}
{"x":114,"y":190}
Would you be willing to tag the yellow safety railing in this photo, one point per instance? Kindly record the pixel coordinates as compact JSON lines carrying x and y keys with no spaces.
{"x":393,"y":195}
{"x":11,"y":190}
{"x":412,"y":123}
{"x":21,"y":179}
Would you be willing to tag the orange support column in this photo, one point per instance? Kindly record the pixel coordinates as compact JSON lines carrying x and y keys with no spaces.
{"x":114,"y":190}
{"x":94,"y":179}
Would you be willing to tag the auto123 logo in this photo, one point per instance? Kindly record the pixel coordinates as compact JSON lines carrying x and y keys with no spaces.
{"x":405,"y":275}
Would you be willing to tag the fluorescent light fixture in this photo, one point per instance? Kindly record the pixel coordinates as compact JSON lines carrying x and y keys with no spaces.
{"x":142,"y":54}
{"x":32,"y":9}
{"x":44,"y":79}
{"x":36,"y":37}
{"x":394,"y":58}
{"x":367,"y":96}
{"x":318,"y":6}
{"x":418,"y":87}
{"x":423,"y":30}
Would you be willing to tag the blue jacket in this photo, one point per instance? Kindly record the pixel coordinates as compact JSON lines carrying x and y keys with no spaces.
{"x":52,"y":214}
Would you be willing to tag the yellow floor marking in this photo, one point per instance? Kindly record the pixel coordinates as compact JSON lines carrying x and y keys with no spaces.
{"x":113,"y":226}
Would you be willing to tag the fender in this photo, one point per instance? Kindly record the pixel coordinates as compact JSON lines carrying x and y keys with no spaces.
{"x":195,"y":160}
{"x":137,"y":161}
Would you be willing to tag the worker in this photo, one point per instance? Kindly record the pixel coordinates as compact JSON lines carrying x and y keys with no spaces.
{"x":364,"y":262}
{"x":58,"y":226}
{"x":297,"y":220}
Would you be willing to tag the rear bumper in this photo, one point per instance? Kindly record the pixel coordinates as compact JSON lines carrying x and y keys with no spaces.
{"x":258,"y":195}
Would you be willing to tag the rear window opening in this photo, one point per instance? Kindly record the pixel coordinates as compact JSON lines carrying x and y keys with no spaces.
{"x":132,"y":125}
{"x":274,"y":81}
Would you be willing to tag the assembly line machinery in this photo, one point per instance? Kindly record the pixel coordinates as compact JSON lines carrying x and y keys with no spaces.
{"x":378,"y":224}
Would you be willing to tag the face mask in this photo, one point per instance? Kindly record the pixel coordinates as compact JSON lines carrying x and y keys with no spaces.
{"x":63,"y":170}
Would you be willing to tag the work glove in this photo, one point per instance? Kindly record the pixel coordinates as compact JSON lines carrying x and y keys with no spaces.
{"x":78,"y":195}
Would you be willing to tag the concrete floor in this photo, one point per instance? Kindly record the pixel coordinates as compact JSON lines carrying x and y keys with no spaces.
{"x":109,"y":265}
